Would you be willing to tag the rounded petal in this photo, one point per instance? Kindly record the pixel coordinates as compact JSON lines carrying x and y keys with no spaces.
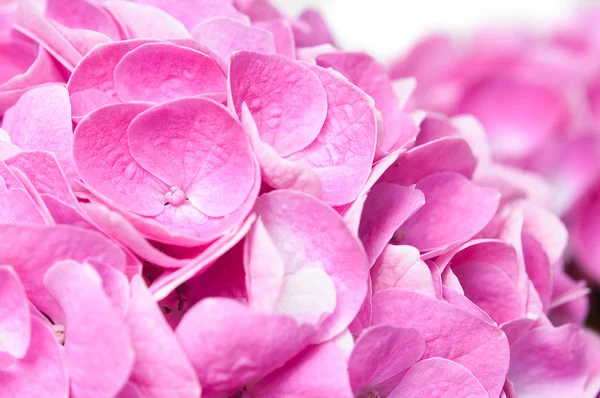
{"x":15,"y":321}
{"x":287,"y":100}
{"x":441,"y":378}
{"x":159,"y":72}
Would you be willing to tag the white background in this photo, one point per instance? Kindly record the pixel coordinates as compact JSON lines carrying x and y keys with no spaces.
{"x":386,"y":27}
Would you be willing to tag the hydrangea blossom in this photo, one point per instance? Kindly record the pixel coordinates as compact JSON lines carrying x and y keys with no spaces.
{"x":209,"y":199}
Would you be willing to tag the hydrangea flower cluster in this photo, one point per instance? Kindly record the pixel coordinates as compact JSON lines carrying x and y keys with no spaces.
{"x":208,"y":198}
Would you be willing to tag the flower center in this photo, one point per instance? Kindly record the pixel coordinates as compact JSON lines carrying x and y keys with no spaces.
{"x":175,"y":196}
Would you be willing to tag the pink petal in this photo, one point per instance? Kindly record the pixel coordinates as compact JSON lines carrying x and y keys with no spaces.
{"x":439,"y":377}
{"x":380,"y":353}
{"x":204,"y":152}
{"x":91,"y":84}
{"x":161,"y":366}
{"x":570,"y":302}
{"x":449,"y":333}
{"x":276,"y":171}
{"x":283,"y":36}
{"x":549,"y":362}
{"x":455,"y":210}
{"x":229,"y":345}
{"x":169,"y":281}
{"x":45,"y":174}
{"x":144,"y":21}
{"x":363,"y":318}
{"x":191,"y":12}
{"x":320,"y":241}
{"x":159,"y":72}
{"x":31,"y":250}
{"x":366,"y":73}
{"x":460,"y":301}
{"x":491,"y":289}
{"x":41,"y":373}
{"x":319,"y":371}
{"x":18,"y":206}
{"x":82,"y":14}
{"x":518,"y":116}
{"x":318,"y":32}
{"x":15,"y":324}
{"x":102,"y":157}
{"x":93,"y":330}
{"x":402,"y":267}
{"x":226,"y":35}
{"x":342,"y":153}
{"x":286,"y":99}
{"x":37,"y":67}
{"x":446,"y":154}
{"x":387,"y":207}
{"x":41,"y":119}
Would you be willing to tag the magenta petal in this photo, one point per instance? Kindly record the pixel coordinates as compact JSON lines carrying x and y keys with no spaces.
{"x":161,"y":366}
{"x":217,"y":336}
{"x":549,"y":362}
{"x":31,"y":250}
{"x":15,"y":322}
{"x":449,"y":333}
{"x":319,"y":371}
{"x":402,"y":267}
{"x":226,"y":35}
{"x":382,"y":352}
{"x":440,"y":378}
{"x":455,"y":210}
{"x":387,"y":207}
{"x":308,"y":233}
{"x":146,"y":73}
{"x":342,"y":153}
{"x":93,"y":330}
{"x":41,"y":120}
{"x":286,"y":99}
{"x":41,"y":373}
{"x":144,"y":21}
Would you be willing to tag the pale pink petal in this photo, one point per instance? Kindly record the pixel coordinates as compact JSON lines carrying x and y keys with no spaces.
{"x":449,"y":333}
{"x":549,"y":362}
{"x":459,"y":300}
{"x":401,"y":266}
{"x":283,"y":36}
{"x":196,"y":145}
{"x":226,"y":35}
{"x":103,"y":160}
{"x":455,"y":210}
{"x":317,"y":33}
{"x":387,"y":207}
{"x":440,"y":378}
{"x":41,"y":373}
{"x":308,"y":233}
{"x":18,"y":206}
{"x":192,"y":12}
{"x":229,"y":346}
{"x":140,"y":21}
{"x":15,"y":324}
{"x":382,"y":352}
{"x":319,"y":371}
{"x":161,"y":366}
{"x":287,"y":100}
{"x":93,"y":330}
{"x":41,"y":120}
{"x":343,"y":152}
{"x":159,"y":72}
